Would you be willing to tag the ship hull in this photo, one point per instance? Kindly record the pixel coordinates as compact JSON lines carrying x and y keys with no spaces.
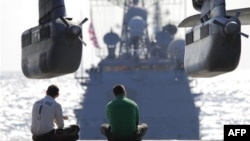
{"x":164,"y":99}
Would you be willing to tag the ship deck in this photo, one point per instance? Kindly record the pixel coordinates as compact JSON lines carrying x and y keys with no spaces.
{"x":144,"y":140}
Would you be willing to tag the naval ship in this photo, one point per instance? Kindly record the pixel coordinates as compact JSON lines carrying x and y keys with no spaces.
{"x":152,"y":70}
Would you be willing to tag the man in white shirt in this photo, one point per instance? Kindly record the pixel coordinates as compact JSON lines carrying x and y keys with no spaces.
{"x":47,"y":112}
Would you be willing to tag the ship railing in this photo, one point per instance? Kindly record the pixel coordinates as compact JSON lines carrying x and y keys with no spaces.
{"x":82,"y":80}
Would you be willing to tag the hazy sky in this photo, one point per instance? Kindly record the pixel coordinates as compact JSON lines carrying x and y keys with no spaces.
{"x":20,"y":15}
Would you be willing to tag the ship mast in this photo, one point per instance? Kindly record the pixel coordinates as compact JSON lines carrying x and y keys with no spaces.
{"x":124,"y":34}
{"x":134,"y":42}
{"x":157,"y":24}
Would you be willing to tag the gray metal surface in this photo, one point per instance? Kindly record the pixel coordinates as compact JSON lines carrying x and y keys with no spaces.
{"x":164,"y":98}
{"x":155,"y":80}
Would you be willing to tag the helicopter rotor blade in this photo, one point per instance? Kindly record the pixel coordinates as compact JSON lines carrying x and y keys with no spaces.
{"x":83,"y":21}
{"x":84,"y":43}
{"x":190,"y":21}
{"x":243,"y":17}
{"x":195,"y":19}
{"x":245,"y":35}
{"x":64,"y":21}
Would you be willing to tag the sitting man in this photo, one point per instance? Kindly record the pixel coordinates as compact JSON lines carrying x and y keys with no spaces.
{"x":47,"y":112}
{"x":123,"y":116}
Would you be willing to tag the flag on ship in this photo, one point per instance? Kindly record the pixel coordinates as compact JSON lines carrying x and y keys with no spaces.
{"x":92,"y":33}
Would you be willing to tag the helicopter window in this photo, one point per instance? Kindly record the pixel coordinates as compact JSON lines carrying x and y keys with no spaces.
{"x":189,"y":38}
{"x":26,"y":39}
{"x":196,"y":34}
{"x":45,"y":33}
{"x":35,"y":36}
{"x":204,"y":31}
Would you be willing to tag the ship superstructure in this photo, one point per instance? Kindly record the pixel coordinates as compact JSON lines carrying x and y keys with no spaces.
{"x":152,"y":71}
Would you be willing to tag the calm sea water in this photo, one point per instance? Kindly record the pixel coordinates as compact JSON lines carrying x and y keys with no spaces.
{"x":225,"y":99}
{"x":18,"y":95}
{"x":222,"y":100}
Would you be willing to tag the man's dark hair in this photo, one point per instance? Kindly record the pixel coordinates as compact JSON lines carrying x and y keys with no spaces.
{"x":52,"y":90}
{"x":119,"y":90}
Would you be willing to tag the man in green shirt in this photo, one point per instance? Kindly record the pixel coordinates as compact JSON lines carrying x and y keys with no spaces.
{"x":123,"y":116}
